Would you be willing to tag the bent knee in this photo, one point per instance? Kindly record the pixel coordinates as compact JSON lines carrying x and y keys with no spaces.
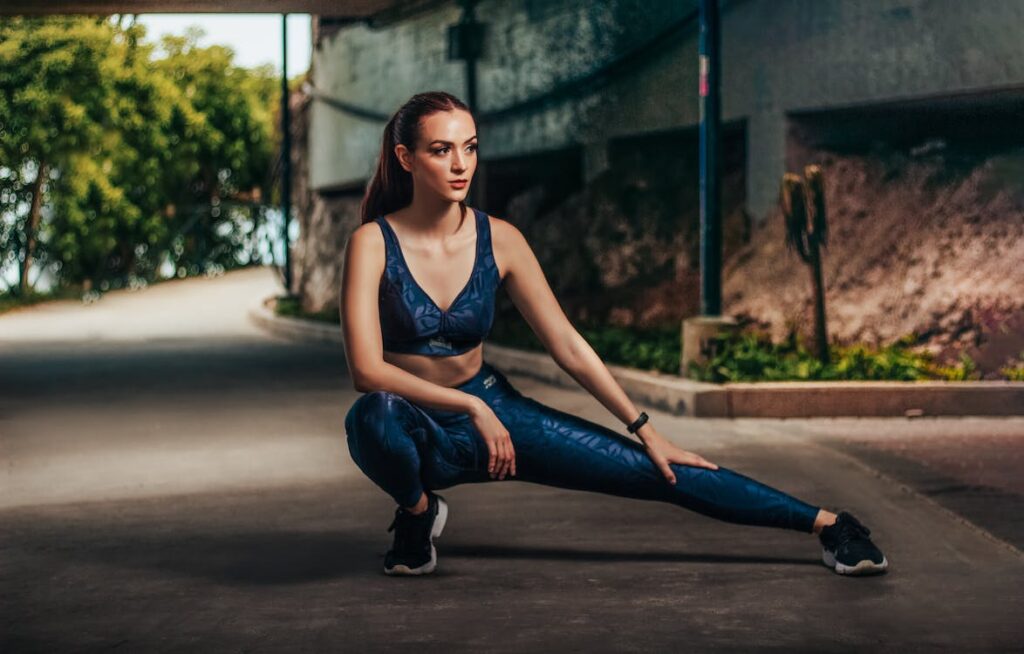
{"x":371,"y":414}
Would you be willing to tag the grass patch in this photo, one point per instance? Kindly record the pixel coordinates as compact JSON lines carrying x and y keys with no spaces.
{"x":291,"y":306}
{"x":10,"y":301}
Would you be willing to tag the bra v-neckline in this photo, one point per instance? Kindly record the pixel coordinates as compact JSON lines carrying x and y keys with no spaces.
{"x":408,"y":272}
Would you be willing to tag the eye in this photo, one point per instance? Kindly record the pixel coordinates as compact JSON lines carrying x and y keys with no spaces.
{"x":474,"y":147}
{"x":440,"y":150}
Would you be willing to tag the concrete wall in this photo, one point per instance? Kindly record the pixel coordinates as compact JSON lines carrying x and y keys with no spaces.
{"x":778,"y":57}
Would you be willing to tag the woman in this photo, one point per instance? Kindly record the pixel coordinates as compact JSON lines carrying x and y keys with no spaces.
{"x":433,"y":414}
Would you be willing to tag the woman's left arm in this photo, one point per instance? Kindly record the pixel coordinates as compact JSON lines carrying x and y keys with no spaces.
{"x":529,"y":290}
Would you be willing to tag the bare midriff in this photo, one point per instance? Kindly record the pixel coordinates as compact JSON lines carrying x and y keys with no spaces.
{"x":445,"y":371}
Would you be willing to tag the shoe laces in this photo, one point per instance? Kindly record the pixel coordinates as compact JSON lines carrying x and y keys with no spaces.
{"x":851,"y":530}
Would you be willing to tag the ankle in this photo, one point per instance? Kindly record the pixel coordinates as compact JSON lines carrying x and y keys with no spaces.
{"x":823,"y":519}
{"x":419,"y":507}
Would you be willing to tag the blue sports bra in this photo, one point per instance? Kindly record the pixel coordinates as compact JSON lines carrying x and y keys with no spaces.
{"x":411,"y":322}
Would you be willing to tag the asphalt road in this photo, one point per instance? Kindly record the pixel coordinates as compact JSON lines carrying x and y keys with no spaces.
{"x":172,"y":479}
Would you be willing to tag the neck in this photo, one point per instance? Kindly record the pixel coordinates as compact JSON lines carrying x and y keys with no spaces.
{"x":431,"y":217}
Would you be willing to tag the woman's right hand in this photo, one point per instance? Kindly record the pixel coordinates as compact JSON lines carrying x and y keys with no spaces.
{"x":502,"y":459}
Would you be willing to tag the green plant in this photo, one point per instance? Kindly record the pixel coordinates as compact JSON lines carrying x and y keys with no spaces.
{"x":803,"y":207}
{"x":646,"y":349}
{"x":12,"y":300}
{"x":752,"y":356}
{"x":291,"y":306}
{"x":1015,"y":370}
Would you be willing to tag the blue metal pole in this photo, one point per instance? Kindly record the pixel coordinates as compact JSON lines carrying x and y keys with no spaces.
{"x":710,"y":121}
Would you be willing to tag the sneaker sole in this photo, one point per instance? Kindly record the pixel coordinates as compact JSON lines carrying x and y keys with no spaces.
{"x":865,"y":567}
{"x":435,"y":531}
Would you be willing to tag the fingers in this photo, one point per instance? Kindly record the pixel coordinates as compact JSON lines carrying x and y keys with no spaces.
{"x":662,"y":464}
{"x":502,"y":460}
{"x":666,"y":470}
{"x":697,"y":461}
{"x":693,"y":460}
{"x":511,"y":458}
{"x":499,"y":466}
{"x":506,"y":460}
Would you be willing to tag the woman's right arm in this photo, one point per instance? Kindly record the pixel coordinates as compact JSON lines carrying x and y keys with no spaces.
{"x":360,"y":324}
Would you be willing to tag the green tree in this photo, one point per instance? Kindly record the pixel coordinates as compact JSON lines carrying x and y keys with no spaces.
{"x":55,"y":75}
{"x":233,"y":155}
{"x":112,"y":158}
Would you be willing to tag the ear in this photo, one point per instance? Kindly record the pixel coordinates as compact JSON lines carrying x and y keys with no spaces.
{"x":405,"y":158}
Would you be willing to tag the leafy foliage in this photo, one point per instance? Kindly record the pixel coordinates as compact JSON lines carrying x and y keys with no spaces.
{"x":143,"y":157}
{"x":291,"y":306}
{"x":1015,"y":370}
{"x":748,"y":355}
{"x":752,"y":356}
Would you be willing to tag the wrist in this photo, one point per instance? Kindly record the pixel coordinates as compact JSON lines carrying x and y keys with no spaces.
{"x":646,"y":433}
{"x":474,"y":405}
{"x":635,"y":426}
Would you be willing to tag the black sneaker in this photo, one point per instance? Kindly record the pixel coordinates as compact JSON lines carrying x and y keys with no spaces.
{"x":413,"y":552}
{"x":847,"y":549}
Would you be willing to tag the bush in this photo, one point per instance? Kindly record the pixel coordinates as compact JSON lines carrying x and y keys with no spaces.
{"x":11,"y":300}
{"x":745,"y":355}
{"x":291,"y":307}
{"x":752,"y":356}
{"x":1014,"y":371}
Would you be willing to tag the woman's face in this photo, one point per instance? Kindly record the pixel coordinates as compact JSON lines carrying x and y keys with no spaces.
{"x":445,"y":153}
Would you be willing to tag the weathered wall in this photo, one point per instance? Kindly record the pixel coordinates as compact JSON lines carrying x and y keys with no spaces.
{"x":884,"y":77}
{"x":778,"y":57}
{"x":325,"y":223}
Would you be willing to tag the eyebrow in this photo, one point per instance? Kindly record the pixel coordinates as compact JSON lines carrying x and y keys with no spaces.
{"x":449,"y":142}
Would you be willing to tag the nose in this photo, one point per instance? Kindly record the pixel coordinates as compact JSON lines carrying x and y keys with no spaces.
{"x":459,"y":162}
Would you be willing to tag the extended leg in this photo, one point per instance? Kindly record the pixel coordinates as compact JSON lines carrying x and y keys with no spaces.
{"x":559,"y":449}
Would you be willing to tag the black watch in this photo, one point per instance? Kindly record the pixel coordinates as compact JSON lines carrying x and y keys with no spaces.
{"x":636,"y":424}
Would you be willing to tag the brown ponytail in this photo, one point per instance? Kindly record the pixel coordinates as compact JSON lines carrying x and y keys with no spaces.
{"x":390,"y":188}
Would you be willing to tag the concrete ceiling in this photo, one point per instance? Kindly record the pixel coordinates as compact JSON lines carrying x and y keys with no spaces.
{"x":338,"y":8}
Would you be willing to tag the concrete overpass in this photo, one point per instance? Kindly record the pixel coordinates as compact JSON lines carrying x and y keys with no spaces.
{"x":352,"y":8}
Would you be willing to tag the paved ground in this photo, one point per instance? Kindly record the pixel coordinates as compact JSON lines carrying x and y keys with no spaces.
{"x":174,"y":480}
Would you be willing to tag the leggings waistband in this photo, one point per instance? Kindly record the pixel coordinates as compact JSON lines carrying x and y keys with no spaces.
{"x":488,"y":382}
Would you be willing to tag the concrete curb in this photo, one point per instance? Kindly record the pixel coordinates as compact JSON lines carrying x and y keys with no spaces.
{"x":296,"y":329}
{"x":682,"y":396}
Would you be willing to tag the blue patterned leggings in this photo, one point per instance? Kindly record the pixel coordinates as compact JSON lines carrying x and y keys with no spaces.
{"x":405,"y":448}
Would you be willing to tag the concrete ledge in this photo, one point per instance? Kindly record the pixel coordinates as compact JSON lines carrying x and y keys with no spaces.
{"x":667,"y":393}
{"x":681,"y":396}
{"x":876,"y":398}
{"x":307,"y":331}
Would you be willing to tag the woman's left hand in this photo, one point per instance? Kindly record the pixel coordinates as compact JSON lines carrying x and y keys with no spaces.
{"x":662,"y":452}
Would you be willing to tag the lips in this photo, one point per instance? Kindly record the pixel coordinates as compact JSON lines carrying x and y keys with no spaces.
{"x":460,"y":182}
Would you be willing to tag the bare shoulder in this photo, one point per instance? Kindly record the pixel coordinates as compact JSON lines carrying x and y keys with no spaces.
{"x":367,"y":237}
{"x":505,"y":235}
{"x":365,"y":248}
{"x":507,"y":242}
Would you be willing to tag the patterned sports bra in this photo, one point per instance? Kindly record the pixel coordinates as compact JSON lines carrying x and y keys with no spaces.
{"x":411,"y":322}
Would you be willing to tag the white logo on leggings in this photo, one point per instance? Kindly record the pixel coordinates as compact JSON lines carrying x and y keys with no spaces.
{"x":441,"y":342}
{"x":489,"y":381}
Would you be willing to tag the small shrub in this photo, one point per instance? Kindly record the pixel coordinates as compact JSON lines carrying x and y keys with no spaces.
{"x":10,"y":300}
{"x":751,"y":356}
{"x":1015,"y":370}
{"x":291,"y":307}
